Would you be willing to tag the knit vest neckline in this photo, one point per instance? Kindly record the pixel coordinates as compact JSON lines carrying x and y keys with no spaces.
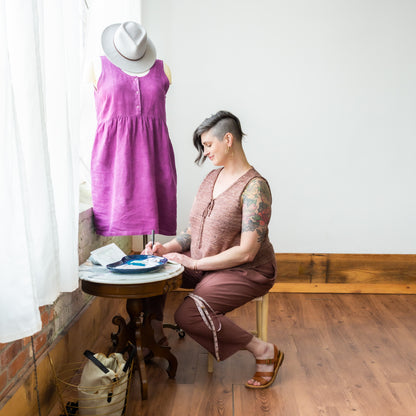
{"x":215,"y":178}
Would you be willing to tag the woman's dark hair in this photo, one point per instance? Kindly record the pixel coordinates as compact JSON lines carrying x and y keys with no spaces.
{"x":220,"y":123}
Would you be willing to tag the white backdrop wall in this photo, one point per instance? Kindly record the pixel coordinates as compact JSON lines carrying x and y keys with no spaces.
{"x":326,"y":93}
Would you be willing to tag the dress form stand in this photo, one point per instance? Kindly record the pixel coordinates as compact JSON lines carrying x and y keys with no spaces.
{"x":146,"y":239}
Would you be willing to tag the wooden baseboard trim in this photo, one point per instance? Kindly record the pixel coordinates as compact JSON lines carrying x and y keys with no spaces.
{"x":345,"y":273}
{"x":374,"y":288}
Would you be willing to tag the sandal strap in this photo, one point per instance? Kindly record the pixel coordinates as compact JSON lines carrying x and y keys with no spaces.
{"x":268,"y":361}
{"x":263,"y":374}
{"x":261,"y":380}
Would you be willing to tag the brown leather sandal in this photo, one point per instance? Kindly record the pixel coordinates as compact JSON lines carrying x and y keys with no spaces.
{"x":259,"y":375}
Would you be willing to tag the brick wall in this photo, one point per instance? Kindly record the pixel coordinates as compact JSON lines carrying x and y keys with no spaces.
{"x":16,"y":357}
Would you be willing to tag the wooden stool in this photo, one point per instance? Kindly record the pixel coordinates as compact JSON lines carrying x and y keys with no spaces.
{"x":262,"y":314}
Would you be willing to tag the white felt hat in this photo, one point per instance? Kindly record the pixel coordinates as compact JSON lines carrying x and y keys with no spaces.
{"x":127,"y":46}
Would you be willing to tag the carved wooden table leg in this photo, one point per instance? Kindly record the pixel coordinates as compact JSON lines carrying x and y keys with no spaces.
{"x":158,"y":350}
{"x":120,"y":339}
{"x":135,"y":309}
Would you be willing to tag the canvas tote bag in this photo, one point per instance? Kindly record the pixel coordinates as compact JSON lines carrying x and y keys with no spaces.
{"x":103,"y":385}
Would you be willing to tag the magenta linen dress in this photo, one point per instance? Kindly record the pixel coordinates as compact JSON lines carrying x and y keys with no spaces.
{"x":133,"y":169}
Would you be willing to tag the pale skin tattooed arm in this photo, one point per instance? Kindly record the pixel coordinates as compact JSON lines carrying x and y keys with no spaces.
{"x":184,"y":239}
{"x":257,"y":203}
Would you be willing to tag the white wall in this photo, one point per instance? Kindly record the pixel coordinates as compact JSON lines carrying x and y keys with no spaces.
{"x":325,"y":90}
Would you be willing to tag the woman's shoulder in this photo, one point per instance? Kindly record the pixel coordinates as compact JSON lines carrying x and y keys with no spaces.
{"x":255,"y":174}
{"x":258,"y":184}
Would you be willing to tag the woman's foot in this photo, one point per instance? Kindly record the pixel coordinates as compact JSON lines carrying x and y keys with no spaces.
{"x":268,"y":362}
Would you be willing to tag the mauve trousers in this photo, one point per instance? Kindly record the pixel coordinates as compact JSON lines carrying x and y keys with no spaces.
{"x":224,"y":291}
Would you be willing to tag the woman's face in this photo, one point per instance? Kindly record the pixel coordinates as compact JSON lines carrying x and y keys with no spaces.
{"x":214,"y":149}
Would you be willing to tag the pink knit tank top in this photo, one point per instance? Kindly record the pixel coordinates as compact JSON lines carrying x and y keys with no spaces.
{"x":216,"y":223}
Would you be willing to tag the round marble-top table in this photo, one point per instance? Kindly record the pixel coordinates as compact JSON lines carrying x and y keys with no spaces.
{"x":99,"y":281}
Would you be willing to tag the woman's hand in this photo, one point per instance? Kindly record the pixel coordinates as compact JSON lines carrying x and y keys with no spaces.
{"x":157,"y":249}
{"x":186,"y":261}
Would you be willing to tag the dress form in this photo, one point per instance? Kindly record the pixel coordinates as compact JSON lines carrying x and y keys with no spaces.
{"x":95,"y":72}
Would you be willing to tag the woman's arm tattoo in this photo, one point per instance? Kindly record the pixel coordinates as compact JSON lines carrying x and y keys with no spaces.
{"x":257,"y":208}
{"x":184,"y":239}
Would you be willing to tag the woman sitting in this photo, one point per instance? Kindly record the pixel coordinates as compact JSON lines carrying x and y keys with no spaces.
{"x":226,"y":251}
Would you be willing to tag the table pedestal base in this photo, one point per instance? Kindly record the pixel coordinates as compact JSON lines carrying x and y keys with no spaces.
{"x":139,"y":331}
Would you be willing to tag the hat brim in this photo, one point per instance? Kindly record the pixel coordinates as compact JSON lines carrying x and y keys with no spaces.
{"x":141,"y":65}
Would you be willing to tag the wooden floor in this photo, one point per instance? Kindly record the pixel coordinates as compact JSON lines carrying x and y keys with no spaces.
{"x":345,"y":354}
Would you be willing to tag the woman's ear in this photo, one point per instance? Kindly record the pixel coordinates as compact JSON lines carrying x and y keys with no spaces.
{"x":229,"y":138}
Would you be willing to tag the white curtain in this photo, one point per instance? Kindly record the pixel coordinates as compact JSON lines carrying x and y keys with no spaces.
{"x":39,"y":134}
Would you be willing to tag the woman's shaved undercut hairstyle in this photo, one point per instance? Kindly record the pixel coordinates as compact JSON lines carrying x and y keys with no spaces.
{"x":219,"y":124}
